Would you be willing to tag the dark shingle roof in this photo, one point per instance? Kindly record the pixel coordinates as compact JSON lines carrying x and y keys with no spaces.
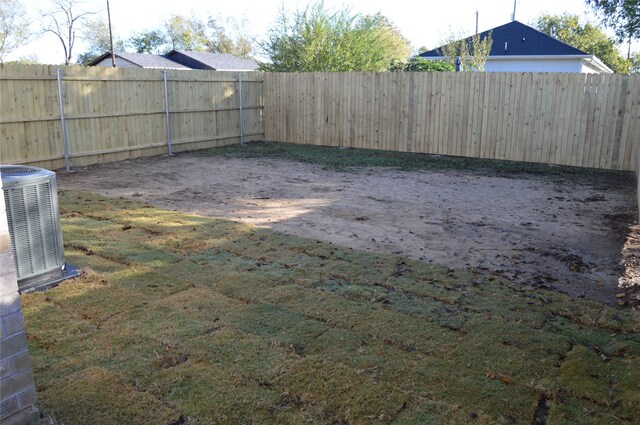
{"x":143,"y":60}
{"x":217,"y":61}
{"x":522,"y":40}
{"x":146,"y":60}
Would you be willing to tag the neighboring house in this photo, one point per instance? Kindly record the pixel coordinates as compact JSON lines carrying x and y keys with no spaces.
{"x":214,"y":61}
{"x":137,"y":60}
{"x":520,"y":48}
{"x":179,"y":59}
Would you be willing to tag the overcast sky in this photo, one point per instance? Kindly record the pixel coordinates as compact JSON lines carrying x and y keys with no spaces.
{"x":424,"y":23}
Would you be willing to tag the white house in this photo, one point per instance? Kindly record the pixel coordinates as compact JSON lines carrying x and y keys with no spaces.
{"x":520,"y":48}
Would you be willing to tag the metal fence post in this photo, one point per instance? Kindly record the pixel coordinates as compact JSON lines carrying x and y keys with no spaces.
{"x":62,"y":120}
{"x":166,"y":107}
{"x":241,"y":110}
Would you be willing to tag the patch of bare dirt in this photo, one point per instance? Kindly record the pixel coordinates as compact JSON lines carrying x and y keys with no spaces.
{"x":550,"y":233}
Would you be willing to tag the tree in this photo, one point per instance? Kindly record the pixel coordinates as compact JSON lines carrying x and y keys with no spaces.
{"x":14,"y":26}
{"x":180,"y":32}
{"x":634,"y":59}
{"x":393,"y":45}
{"x":96,"y":32}
{"x":62,"y":21}
{"x":586,"y":37}
{"x":623,"y":16}
{"x":186,"y":33}
{"x":471,"y":51}
{"x":419,"y":64}
{"x":316,"y":39}
{"x":154,"y":42}
{"x":229,"y":37}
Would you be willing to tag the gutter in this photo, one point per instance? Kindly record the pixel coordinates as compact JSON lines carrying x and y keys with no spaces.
{"x":598,"y":64}
{"x":592,"y":59}
{"x":523,"y":57}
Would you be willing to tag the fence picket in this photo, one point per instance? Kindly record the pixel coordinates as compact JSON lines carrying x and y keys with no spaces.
{"x":113,"y":114}
{"x":116,"y":114}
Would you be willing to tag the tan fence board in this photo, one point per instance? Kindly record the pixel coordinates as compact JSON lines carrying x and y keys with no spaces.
{"x":115,"y":114}
{"x":568,"y":119}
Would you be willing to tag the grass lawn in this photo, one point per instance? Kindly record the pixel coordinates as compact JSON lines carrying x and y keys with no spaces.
{"x":183,"y":319}
{"x":340,"y":159}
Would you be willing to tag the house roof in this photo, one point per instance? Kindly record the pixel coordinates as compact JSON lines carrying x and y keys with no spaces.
{"x":518,"y":39}
{"x":216,"y":61}
{"x":143,"y":60}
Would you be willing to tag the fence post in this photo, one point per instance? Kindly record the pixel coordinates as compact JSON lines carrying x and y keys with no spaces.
{"x":64,"y":123}
{"x":166,"y":108}
{"x":241,"y":110}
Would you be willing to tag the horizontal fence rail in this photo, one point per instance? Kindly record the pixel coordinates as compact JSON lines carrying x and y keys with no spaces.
{"x":567,"y":119}
{"x":112,"y":114}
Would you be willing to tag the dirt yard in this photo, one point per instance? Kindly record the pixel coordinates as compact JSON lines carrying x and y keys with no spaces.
{"x":549,"y":232}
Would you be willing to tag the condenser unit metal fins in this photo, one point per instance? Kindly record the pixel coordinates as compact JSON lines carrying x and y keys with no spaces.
{"x":31,"y":201}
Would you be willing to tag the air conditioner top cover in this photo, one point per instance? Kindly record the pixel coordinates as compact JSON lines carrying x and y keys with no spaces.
{"x":17,"y":175}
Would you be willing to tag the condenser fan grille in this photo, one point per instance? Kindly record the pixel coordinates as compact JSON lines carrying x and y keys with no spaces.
{"x":18,"y":171}
{"x":34,"y":236}
{"x":31,"y":201}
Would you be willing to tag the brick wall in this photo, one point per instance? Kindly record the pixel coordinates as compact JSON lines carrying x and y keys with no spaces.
{"x":17,"y":389}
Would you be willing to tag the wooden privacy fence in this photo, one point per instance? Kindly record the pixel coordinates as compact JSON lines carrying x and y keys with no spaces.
{"x":120,"y":113}
{"x":112,"y":114}
{"x":567,"y":119}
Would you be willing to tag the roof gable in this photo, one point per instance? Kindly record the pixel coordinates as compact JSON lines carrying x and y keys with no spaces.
{"x":143,"y":60}
{"x":518,"y":39}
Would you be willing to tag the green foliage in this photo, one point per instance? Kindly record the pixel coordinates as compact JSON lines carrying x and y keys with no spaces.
{"x":186,"y":33}
{"x":87,"y":57}
{"x":623,"y":16}
{"x":419,"y":64}
{"x":191,"y":33}
{"x":14,"y":26}
{"x":471,"y":51}
{"x":96,"y":33}
{"x":342,"y":159}
{"x":153,"y":42}
{"x":229,"y":36}
{"x":320,"y":40}
{"x":635,"y":63}
{"x":589,"y":38}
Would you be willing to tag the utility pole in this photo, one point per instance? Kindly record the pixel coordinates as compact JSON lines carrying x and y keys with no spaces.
{"x":113,"y":54}
{"x":476,"y":22}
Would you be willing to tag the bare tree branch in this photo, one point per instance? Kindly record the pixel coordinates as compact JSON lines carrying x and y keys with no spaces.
{"x":62,"y":21}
